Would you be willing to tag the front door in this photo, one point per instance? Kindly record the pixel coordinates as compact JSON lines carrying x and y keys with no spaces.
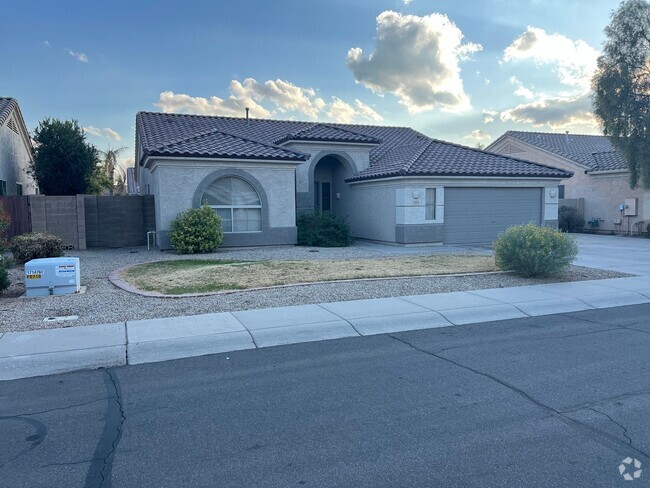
{"x":323,"y":196}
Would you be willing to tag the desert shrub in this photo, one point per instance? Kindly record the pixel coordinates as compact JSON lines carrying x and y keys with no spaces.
{"x":197,"y":230}
{"x":323,"y":230}
{"x":5,"y":264}
{"x":570,"y":219}
{"x":529,"y":250}
{"x":5,"y":222}
{"x":36,"y":245}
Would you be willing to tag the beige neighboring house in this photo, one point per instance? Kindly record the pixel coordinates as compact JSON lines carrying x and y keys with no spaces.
{"x":15,"y":151}
{"x":600,"y":185}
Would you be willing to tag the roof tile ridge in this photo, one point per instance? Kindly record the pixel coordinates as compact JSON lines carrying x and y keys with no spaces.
{"x":11,"y":106}
{"x":229,"y":134}
{"x":333,"y":126}
{"x":405,"y":169}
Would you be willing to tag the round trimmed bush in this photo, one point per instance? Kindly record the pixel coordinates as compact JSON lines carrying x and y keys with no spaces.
{"x":532,"y":251}
{"x":35,"y":245}
{"x":197,"y":230}
{"x":323,"y":229}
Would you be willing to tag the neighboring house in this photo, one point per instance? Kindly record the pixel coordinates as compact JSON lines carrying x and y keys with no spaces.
{"x":600,"y":185}
{"x":393,"y":184}
{"x":15,"y":151}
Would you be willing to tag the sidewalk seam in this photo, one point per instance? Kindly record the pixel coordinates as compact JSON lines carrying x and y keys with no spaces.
{"x":343,"y":319}
{"x":245,"y":328}
{"x":126,"y":341}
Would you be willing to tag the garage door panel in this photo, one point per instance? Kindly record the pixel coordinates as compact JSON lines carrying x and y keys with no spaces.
{"x":477,"y":215}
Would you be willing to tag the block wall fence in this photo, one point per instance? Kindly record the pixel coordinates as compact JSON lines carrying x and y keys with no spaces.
{"x":84,"y":221}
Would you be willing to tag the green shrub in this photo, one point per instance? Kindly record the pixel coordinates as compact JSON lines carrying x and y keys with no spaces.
{"x":570,"y":219}
{"x":323,"y":230}
{"x":5,"y":264}
{"x":36,"y":245}
{"x":529,"y":250}
{"x":197,"y":230}
{"x":5,"y":222}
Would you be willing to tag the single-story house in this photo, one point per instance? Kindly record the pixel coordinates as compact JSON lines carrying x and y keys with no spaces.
{"x":393,"y":184}
{"x":600,"y":187}
{"x":15,"y":151}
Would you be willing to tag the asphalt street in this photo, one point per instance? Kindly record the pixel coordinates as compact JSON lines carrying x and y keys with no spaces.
{"x":553,"y":401}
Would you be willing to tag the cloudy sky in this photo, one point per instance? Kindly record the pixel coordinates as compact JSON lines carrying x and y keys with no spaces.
{"x":460,"y":70}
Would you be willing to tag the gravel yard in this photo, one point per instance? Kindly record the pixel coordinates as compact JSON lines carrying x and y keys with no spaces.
{"x":105,"y":303}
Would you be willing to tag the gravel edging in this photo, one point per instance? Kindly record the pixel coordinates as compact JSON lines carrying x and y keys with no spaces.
{"x":104,"y":302}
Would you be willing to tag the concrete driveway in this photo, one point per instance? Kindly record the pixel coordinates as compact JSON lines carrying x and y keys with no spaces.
{"x":624,"y":254}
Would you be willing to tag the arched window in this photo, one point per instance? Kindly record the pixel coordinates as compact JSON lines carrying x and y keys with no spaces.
{"x":237,"y":203}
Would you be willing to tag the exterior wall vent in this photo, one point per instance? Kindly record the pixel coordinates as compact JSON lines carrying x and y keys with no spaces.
{"x":12,"y":125}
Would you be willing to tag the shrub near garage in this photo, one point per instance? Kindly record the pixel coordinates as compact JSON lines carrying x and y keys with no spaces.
{"x":36,"y":245}
{"x":570,"y":219}
{"x":533,"y":251}
{"x":197,"y":230}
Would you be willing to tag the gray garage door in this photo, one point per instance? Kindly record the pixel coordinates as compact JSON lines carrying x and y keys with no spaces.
{"x":477,"y":215}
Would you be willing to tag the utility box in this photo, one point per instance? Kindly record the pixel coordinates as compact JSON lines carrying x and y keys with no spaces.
{"x":630,"y":207}
{"x":52,"y":276}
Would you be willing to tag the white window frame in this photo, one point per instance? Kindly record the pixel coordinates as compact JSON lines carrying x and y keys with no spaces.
{"x":232,"y":209}
{"x":433,"y":204}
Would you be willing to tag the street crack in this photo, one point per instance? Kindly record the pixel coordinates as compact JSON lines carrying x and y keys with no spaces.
{"x":557,"y":413}
{"x":99,"y":473}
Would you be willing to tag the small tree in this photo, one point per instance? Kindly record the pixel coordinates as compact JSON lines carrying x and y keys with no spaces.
{"x":109,"y":167}
{"x":621,"y":87}
{"x":64,"y":163}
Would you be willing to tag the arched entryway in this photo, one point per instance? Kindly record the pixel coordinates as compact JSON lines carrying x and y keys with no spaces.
{"x":329,"y":183}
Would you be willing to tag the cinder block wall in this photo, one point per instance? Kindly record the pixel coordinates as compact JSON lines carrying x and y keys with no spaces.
{"x":94,"y":221}
{"x":59,"y":215}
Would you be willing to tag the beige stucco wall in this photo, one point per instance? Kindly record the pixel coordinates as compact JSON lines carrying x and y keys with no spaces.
{"x":602,"y":193}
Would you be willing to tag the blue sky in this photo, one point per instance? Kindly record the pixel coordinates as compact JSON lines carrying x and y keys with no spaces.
{"x":463,"y":70}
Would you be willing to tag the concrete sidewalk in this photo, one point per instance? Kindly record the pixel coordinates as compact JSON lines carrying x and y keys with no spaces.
{"x":24,"y":354}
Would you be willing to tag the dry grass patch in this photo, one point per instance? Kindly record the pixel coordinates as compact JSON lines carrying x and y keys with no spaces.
{"x":200,"y":276}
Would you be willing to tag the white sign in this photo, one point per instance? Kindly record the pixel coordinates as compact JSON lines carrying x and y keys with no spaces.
{"x":65,"y":270}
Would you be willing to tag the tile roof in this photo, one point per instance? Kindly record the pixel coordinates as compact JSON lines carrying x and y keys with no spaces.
{"x":397,"y":151}
{"x":327,"y":133}
{"x":7,"y":105}
{"x":594,"y":152}
{"x":217,"y":144}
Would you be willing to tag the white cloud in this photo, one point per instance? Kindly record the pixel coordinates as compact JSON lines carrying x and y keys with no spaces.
{"x":232,"y":106}
{"x":416,"y":59}
{"x":47,"y":44}
{"x":478,"y":135}
{"x":340,"y":111}
{"x":488,"y":116}
{"x":106,"y":132}
{"x":78,"y":56}
{"x":573,"y":61}
{"x":556,"y":113}
{"x":521,"y":90}
{"x":267,"y":99}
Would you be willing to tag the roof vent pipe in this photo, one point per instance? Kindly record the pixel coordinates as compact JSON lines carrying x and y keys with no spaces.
{"x":567,"y":136}
{"x":247,"y":110}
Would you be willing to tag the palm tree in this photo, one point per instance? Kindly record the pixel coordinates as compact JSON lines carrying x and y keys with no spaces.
{"x":110,"y":165}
